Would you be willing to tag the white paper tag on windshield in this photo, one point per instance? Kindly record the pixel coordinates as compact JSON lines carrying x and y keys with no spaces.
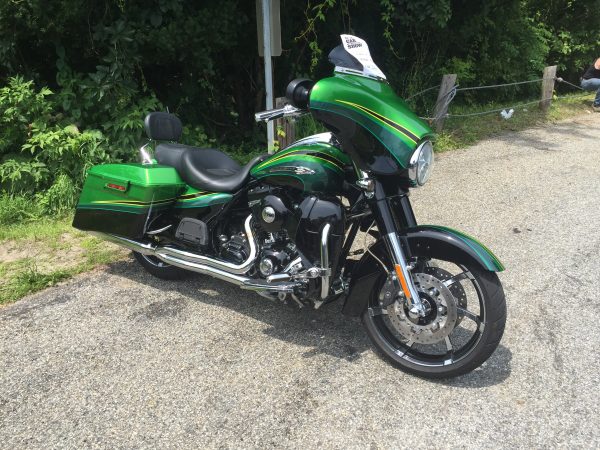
{"x":360,"y":50}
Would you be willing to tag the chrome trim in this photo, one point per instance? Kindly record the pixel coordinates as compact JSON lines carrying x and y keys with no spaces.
{"x":160,"y":230}
{"x":360,"y":73}
{"x":277,"y":113}
{"x":366,"y":184}
{"x":261,"y":285}
{"x":293,"y":264}
{"x":140,"y":247}
{"x":298,"y":170}
{"x":325,"y":279}
{"x":320,"y":138}
{"x":413,"y":163}
{"x":278,"y":277}
{"x":203,"y":269}
{"x":394,"y":247}
{"x":145,"y":156}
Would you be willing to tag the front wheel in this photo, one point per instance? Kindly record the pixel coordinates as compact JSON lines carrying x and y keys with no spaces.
{"x":464,"y":322}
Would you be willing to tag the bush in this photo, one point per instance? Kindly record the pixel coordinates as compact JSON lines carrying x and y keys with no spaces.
{"x":43,"y":157}
{"x":15,"y":208}
{"x":60,"y":198}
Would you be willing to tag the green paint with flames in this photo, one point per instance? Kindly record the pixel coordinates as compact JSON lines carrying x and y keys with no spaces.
{"x":374,"y":105}
{"x":312,"y":166}
{"x":491,"y":262}
{"x":137,"y":189}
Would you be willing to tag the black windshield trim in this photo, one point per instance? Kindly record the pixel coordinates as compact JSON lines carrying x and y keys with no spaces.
{"x":341,"y":58}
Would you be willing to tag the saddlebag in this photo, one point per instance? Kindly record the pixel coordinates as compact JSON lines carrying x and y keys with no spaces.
{"x":125,"y":199}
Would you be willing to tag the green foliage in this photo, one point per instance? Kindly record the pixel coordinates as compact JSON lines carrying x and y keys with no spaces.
{"x":40,"y":154}
{"x":570,"y":29}
{"x":17,"y":209}
{"x":77,"y":78}
{"x":21,"y":108}
{"x":60,"y":198}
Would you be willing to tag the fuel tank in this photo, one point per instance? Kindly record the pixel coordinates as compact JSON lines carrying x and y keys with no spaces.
{"x":313,"y":164}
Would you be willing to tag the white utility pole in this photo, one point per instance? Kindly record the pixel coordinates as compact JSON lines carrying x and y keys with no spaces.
{"x":266,"y":11}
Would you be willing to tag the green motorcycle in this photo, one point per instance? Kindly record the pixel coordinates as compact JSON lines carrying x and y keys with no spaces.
{"x":285,"y":225}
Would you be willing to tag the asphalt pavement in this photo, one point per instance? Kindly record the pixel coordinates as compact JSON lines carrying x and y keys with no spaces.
{"x":117,"y":359}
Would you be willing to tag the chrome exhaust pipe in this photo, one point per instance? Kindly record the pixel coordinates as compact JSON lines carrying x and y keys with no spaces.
{"x":223,"y":270}
{"x":195,"y":259}
{"x":168,"y":253}
{"x":140,"y":247}
{"x":203,"y":269}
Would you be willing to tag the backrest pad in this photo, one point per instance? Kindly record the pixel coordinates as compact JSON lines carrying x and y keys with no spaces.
{"x":162,"y":126}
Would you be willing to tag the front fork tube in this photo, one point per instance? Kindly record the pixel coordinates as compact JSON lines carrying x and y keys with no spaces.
{"x":388,"y":229}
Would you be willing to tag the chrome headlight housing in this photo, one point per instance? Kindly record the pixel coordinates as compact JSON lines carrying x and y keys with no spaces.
{"x":421,"y":164}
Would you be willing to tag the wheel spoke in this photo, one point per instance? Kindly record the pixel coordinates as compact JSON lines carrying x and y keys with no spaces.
{"x":449,"y":351}
{"x":402,"y":351}
{"x":377,"y":311}
{"x":474,"y":317}
{"x":465,"y":312}
{"x":456,"y":278}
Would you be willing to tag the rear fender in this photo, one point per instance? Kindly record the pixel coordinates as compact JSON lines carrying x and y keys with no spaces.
{"x":425,"y":241}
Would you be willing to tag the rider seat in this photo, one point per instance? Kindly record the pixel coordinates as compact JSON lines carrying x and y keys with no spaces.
{"x":207,"y":169}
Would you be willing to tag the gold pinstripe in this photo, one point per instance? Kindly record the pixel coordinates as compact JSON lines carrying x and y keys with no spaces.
{"x":371,"y":113}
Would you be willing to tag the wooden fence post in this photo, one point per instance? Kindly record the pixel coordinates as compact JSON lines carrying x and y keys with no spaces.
{"x":547,"y":88}
{"x":286,"y":125}
{"x":441,"y":105}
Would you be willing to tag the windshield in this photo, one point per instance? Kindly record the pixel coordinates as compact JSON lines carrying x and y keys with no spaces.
{"x":353,"y":56}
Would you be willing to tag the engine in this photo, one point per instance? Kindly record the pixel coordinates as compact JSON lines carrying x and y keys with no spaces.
{"x":275,"y":254}
{"x":274,"y":219}
{"x":288,"y":227}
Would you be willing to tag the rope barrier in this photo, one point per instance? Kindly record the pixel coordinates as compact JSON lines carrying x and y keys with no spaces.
{"x":422,"y":92}
{"x":449,"y":96}
{"x":519,"y":105}
{"x":490,"y":86}
{"x":560,"y":80}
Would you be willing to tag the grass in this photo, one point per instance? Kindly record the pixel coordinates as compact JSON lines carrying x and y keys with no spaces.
{"x":48,"y":251}
{"x":464,"y":131}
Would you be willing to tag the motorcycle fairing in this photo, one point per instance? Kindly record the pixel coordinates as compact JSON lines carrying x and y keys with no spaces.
{"x":373,"y":105}
{"x":426,"y":241}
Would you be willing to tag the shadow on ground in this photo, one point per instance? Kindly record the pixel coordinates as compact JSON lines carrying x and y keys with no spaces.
{"x":323,"y":331}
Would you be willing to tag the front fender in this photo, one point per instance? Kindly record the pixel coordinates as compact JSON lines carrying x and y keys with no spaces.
{"x":429,"y":241}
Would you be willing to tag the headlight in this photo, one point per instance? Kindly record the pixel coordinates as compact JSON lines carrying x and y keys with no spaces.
{"x":421,"y":163}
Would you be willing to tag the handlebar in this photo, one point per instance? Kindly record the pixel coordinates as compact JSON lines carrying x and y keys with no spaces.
{"x":272,"y":114}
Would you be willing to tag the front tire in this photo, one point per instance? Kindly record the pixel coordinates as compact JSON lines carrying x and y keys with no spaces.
{"x":159,"y":268}
{"x":410,"y":346}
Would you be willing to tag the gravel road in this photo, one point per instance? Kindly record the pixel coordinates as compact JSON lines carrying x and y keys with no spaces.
{"x":117,"y":359}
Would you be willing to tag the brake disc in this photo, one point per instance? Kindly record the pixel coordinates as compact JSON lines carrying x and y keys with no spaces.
{"x":440,"y":305}
{"x":456,"y":289}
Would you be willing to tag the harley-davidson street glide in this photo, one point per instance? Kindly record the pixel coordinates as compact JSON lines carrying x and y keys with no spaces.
{"x":284,"y":225}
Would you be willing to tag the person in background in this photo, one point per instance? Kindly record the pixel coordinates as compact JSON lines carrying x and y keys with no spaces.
{"x":591,"y":82}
